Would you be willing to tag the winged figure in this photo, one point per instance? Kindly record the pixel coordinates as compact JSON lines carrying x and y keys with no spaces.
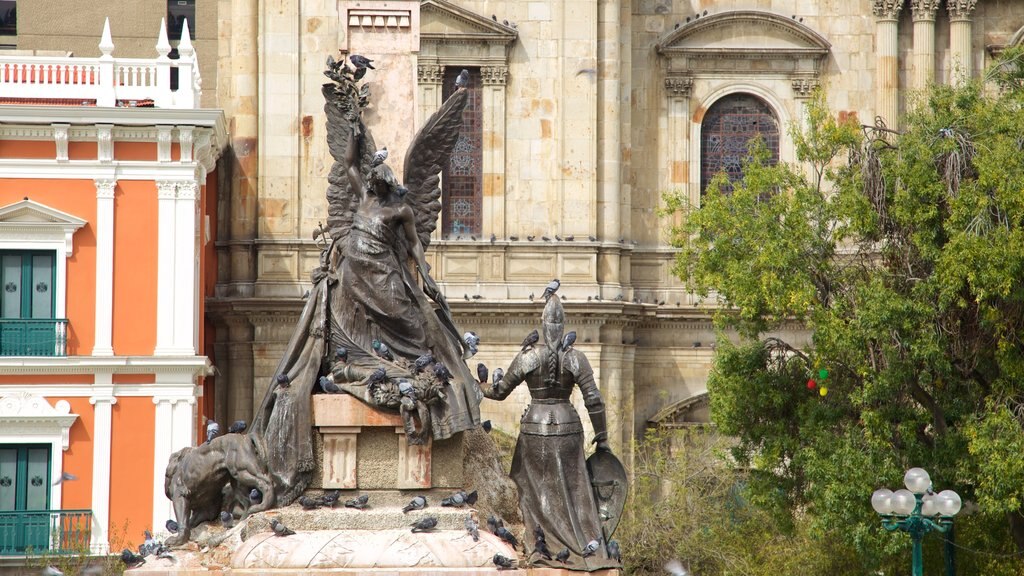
{"x":373,"y":289}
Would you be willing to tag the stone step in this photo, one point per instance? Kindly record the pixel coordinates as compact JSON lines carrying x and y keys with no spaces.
{"x":391,"y":498}
{"x":377,"y":517}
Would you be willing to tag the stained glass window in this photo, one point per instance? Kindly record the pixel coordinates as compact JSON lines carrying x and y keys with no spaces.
{"x":725,"y":134}
{"x":462,"y":188}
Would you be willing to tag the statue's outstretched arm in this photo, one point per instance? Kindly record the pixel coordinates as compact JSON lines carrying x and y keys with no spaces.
{"x":508,"y":382}
{"x":591,"y":398}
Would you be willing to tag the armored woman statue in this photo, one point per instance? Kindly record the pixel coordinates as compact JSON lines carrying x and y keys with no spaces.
{"x":556,"y":495}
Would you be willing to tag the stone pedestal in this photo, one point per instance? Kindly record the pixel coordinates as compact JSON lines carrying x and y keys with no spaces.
{"x":366,"y":449}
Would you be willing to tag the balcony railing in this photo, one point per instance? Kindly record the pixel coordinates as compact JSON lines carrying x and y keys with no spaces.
{"x":32,"y":532}
{"x":34,"y":337}
{"x":106,"y":80}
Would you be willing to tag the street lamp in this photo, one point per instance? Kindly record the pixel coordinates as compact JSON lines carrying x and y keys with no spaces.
{"x":917,"y":510}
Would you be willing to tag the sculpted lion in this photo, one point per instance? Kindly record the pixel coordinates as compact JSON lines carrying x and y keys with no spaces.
{"x":197,"y":478}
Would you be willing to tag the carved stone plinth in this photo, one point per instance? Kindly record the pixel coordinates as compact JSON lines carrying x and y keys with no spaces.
{"x":365,"y":448}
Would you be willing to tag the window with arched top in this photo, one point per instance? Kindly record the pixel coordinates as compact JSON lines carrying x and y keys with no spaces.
{"x":726,"y":132}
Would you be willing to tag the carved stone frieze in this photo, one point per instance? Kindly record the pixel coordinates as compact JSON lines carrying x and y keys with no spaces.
{"x":802,"y":87}
{"x":887,"y":9}
{"x":960,"y":9}
{"x":678,"y":85}
{"x":60,"y":136}
{"x":429,"y":73}
{"x":494,"y":75}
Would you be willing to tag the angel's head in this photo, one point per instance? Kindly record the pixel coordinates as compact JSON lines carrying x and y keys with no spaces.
{"x":382,"y":182}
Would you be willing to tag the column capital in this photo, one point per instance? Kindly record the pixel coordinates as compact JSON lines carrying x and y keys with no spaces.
{"x":924,"y":9}
{"x":960,"y":9}
{"x":494,"y":75}
{"x":803,"y":86}
{"x":678,"y":85}
{"x":187,"y":190}
{"x":887,"y":9}
{"x":105,"y":188}
{"x":166,"y":189}
{"x":429,"y":73}
{"x":103,"y":399}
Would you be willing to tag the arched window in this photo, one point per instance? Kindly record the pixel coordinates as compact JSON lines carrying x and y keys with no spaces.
{"x":462,"y":182}
{"x":725,"y":134}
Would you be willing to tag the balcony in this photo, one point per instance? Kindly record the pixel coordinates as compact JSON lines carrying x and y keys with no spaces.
{"x":33,"y":337}
{"x":34,"y":532}
{"x":106,"y":80}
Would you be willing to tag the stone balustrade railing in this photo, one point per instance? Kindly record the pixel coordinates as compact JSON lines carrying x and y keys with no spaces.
{"x":106,"y":80}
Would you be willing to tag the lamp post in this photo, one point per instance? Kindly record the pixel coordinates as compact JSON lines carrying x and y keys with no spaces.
{"x":917,"y":511}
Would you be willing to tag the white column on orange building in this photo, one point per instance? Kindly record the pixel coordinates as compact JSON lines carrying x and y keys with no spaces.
{"x":185,"y":273}
{"x":104,"y":266}
{"x":923,"y":12}
{"x":166,"y":192}
{"x":960,"y":39}
{"x":102,"y":400}
{"x":887,"y":14}
{"x":163,"y":426}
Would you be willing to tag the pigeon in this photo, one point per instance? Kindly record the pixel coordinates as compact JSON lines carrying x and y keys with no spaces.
{"x":421,"y":363}
{"x":498,"y":375}
{"x":171,"y":526}
{"x":530,"y":296}
{"x":545,"y":238}
{"x":530,"y":340}
{"x":417,"y":503}
{"x":377,"y":376}
{"x":472,"y":528}
{"x":226,"y":519}
{"x":551,"y":288}
{"x":540,"y":545}
{"x":493,"y":238}
{"x":486,"y":425}
{"x":591,"y":548}
{"x":442,"y":373}
{"x":471,"y":340}
{"x":309,"y":503}
{"x":463,"y":79}
{"x":569,"y":340}
{"x":614,"y":551}
{"x":514,"y":238}
{"x":675,"y":568}
{"x":330,"y":498}
{"x":361,"y":62}
{"x":150,"y":545}
{"x":405,"y":388}
{"x":341,"y":354}
{"x":131,"y":559}
{"x":255,"y":496}
{"x":481,"y":372}
{"x":530,"y":237}
{"x":327,"y":385}
{"x":65,"y":477}
{"x":493,"y":523}
{"x":457,"y":500}
{"x":379,"y":157}
{"x":212,"y":431}
{"x":570,"y":238}
{"x":360,"y":502}
{"x":563,"y":555}
{"x":592,"y":238}
{"x":424,"y":524}
{"x":237,"y":427}
{"x":507,"y":536}
{"x":503,"y":563}
{"x":279,"y":528}
{"x":382,"y":350}
{"x":283,"y":380}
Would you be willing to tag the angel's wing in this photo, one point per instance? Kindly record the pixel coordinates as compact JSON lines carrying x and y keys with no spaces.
{"x":428,"y":154}
{"x":344,"y":128}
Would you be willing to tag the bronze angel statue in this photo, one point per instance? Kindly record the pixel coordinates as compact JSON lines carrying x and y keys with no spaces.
{"x":375,"y":324}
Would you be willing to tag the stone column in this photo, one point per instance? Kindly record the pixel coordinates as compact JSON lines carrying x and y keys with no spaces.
{"x":924,"y":42}
{"x":104,"y":267}
{"x":887,"y":104}
{"x":102,"y":400}
{"x":162,"y":449}
{"x":239,"y":382}
{"x":609,"y":127}
{"x":185,"y":269}
{"x":494,"y":79}
{"x":960,"y":39}
{"x":675,"y":175}
{"x":243,"y":94}
{"x":165,"y":233}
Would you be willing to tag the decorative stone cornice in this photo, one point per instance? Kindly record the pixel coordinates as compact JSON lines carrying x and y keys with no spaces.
{"x":887,"y":9}
{"x":924,"y":9}
{"x":960,"y":9}
{"x":802,"y":87}
{"x":429,"y":73}
{"x":23,"y":413}
{"x":494,"y":75}
{"x":678,"y":85}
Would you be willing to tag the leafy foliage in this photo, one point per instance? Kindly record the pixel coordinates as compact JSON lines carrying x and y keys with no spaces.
{"x":903,"y":253}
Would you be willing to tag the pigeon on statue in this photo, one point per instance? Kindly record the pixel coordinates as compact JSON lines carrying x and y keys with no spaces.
{"x":237,"y":427}
{"x":279,"y":528}
{"x":473,"y":528}
{"x":462,"y":81}
{"x":551,"y":288}
{"x":212,"y":431}
{"x":417,"y":503}
{"x":379,"y":157}
{"x":530,"y":340}
{"x":360,"y":61}
{"x":569,"y":340}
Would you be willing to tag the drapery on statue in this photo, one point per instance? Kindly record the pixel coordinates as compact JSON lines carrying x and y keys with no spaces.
{"x":572,"y":501}
{"x":367,"y":319}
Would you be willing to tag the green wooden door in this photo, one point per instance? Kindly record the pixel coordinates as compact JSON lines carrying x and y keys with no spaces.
{"x":27,"y":299}
{"x":24,"y":497}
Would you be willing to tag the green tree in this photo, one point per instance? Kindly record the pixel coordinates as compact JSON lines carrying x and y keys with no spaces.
{"x":903,"y":253}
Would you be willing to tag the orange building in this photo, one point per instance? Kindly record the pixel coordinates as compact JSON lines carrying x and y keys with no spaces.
{"x":107,"y":221}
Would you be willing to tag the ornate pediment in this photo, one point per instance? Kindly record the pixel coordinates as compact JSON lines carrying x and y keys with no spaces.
{"x":28,"y":211}
{"x":23,"y":413}
{"x":744,"y":35}
{"x":442,"y":21}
